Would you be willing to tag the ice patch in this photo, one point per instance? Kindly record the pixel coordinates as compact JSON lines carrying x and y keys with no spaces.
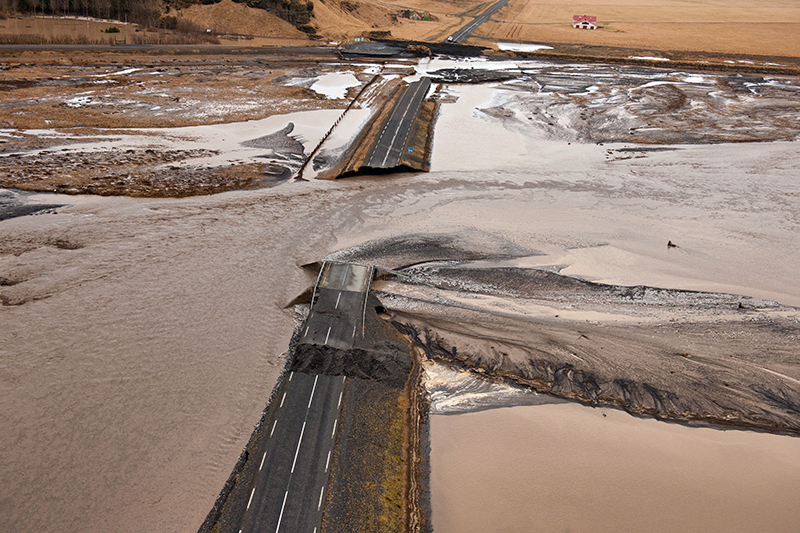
{"x":522,"y":47}
{"x":119,"y":73}
{"x":335,"y":85}
{"x":79,"y":101}
{"x":693,"y":78}
{"x":651,"y":84}
{"x":649,"y":58}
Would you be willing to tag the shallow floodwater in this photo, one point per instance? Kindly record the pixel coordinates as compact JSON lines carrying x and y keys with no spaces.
{"x":566,"y":467}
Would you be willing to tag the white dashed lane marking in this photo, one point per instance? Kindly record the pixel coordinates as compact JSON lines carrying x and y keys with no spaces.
{"x":297,"y":451}
{"x":251,"y":498}
{"x":312,"y":392}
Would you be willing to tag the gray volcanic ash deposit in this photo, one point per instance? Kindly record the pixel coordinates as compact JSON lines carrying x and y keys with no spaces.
{"x":678,"y":355}
{"x":410,"y":249}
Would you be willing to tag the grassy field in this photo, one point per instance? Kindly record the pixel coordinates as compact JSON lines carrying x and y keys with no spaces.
{"x":732,"y":27}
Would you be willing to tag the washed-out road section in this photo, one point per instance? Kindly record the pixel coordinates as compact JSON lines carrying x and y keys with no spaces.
{"x":390,"y":145}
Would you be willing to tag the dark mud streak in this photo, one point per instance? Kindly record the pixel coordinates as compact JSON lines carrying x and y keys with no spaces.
{"x":408,"y":250}
{"x":354,"y":363}
{"x":547,"y":285}
{"x":13,"y":211}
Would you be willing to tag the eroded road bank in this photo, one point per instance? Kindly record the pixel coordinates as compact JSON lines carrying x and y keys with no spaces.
{"x":338,"y":448}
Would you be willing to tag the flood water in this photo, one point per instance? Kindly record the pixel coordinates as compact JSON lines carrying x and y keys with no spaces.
{"x":566,"y":467}
{"x":140,"y":338}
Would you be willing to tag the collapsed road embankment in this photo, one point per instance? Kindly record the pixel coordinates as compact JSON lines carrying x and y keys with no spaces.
{"x":371,"y":478}
{"x":376,"y":482}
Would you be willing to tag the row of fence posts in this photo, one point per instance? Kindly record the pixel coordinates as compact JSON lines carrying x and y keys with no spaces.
{"x":330,"y":131}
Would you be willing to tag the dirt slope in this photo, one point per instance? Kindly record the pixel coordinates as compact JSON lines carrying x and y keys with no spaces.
{"x":232,"y":18}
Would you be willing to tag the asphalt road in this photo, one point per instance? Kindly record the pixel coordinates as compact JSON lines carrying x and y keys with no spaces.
{"x":288,"y":494}
{"x":391,"y":142}
{"x":464,"y":32}
{"x":337,"y":312}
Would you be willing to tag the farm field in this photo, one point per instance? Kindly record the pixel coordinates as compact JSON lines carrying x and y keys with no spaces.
{"x":735,"y":27}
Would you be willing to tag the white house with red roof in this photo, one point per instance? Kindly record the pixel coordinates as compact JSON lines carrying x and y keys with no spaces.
{"x":584,"y":22}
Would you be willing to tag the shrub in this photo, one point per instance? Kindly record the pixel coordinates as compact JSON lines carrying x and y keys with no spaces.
{"x":168,"y":22}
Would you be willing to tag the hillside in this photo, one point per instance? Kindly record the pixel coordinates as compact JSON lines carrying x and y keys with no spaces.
{"x":344,"y":19}
{"x":337,"y":20}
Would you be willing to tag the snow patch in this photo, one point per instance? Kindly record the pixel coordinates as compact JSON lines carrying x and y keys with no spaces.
{"x":335,"y":85}
{"x":649,"y":58}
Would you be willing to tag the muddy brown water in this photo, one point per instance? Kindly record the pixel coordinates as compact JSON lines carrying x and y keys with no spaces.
{"x":146,"y":335}
{"x":565,"y":467}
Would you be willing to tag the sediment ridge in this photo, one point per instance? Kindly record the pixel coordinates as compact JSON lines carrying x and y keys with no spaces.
{"x":690,"y":357}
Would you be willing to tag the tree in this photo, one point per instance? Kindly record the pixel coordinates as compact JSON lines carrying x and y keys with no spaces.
{"x":102,"y":8}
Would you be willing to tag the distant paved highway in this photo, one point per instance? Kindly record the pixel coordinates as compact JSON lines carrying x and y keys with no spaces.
{"x":391,"y":142}
{"x":464,"y":32}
